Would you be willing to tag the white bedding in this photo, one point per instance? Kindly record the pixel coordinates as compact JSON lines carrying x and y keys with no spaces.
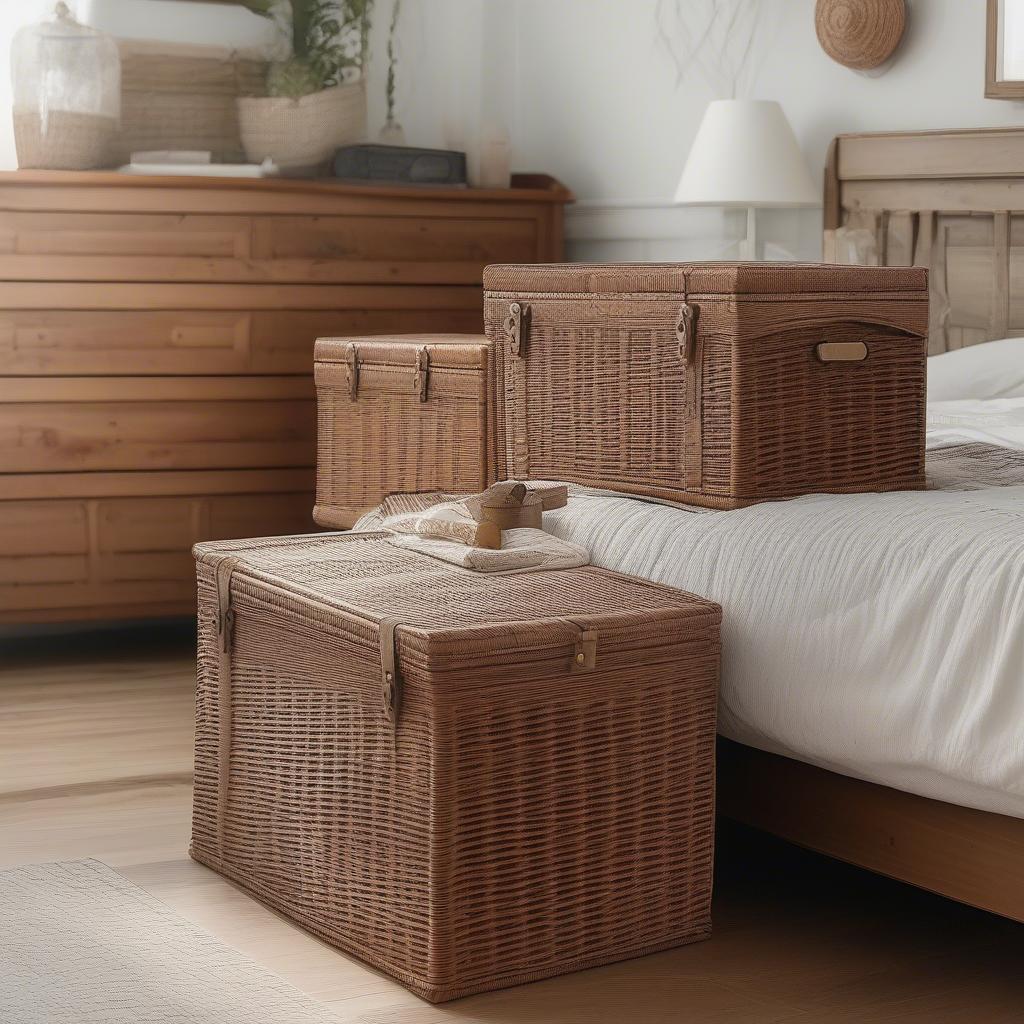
{"x":878,"y":635}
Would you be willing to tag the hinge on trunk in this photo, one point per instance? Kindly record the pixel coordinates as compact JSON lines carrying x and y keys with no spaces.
{"x":421,"y":379}
{"x":352,"y":374}
{"x":686,"y":332}
{"x":517,"y":326}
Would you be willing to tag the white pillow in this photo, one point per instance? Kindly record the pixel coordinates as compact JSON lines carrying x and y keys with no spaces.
{"x":994,"y":369}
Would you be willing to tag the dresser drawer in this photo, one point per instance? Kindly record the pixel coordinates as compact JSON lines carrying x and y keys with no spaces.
{"x":282,"y":342}
{"x":304,"y":249}
{"x":69,"y":557}
{"x":42,"y":342}
{"x":476,"y":241}
{"x":123,"y":234}
{"x":45,"y":342}
{"x":68,"y":425}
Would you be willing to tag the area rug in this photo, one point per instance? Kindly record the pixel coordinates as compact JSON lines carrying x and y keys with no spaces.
{"x":79,"y":943}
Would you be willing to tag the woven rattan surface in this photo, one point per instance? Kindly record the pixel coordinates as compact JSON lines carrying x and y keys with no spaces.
{"x":402,"y":413}
{"x":712,"y":384}
{"x":183,"y":97}
{"x":544,"y":801}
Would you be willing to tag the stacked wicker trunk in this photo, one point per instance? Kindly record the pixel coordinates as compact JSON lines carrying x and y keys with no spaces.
{"x":400,"y":414}
{"x":716,"y":384}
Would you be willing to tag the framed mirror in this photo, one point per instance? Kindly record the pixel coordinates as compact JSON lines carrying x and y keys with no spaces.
{"x":1004,"y":51}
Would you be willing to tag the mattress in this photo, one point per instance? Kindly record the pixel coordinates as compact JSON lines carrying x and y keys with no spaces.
{"x":876,"y":635}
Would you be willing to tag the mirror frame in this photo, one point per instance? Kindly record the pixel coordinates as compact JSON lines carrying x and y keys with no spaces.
{"x":997,"y":88}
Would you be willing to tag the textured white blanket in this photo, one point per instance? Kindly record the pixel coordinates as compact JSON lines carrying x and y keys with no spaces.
{"x":878,"y":635}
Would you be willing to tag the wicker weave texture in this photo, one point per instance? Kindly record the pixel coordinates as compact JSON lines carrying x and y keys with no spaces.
{"x":525,"y":818}
{"x":183,"y":97}
{"x":608,"y":388}
{"x":304,"y":132}
{"x":401,"y":414}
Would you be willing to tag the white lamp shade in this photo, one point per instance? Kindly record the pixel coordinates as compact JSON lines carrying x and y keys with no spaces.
{"x":745,"y":154}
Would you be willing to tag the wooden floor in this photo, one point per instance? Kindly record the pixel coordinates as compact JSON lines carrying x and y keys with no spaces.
{"x":95,"y":736}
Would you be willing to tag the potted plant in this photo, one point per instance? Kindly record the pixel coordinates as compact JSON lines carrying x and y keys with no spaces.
{"x":316,"y":99}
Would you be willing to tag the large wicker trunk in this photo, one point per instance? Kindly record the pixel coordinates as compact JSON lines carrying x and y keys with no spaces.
{"x":717,"y":384}
{"x":467,"y":782}
{"x":401,"y":414}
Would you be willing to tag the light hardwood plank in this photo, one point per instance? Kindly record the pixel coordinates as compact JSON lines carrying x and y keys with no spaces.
{"x":95,"y":735}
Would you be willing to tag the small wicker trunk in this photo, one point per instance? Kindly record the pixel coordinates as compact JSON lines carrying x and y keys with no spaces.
{"x":716,"y":384}
{"x":398,"y":415}
{"x":466,"y":781}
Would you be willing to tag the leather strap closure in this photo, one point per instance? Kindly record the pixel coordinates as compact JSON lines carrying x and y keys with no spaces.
{"x":225,"y":613}
{"x":686,"y":332}
{"x":690,"y":355}
{"x":517,"y":326}
{"x":584,"y":656}
{"x":390,"y":676}
{"x":225,"y":637}
{"x":352,"y":359}
{"x":421,"y":378}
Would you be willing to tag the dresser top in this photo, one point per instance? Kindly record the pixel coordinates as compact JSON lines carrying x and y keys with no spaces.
{"x":531,"y":188}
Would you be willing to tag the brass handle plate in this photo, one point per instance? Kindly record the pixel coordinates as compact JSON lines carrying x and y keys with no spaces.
{"x":842,"y":351}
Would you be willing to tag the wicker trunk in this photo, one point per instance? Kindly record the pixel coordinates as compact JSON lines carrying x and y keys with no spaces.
{"x":398,"y":415}
{"x":716,"y":384}
{"x":466,"y":781}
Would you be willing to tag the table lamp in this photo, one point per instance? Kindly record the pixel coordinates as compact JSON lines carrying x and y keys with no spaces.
{"x":746,"y":155}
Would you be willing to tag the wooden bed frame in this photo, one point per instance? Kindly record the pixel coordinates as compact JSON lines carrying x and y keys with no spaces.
{"x":950,"y":201}
{"x":954,"y":202}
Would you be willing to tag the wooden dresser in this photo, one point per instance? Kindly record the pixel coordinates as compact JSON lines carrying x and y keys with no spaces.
{"x":156,"y":353}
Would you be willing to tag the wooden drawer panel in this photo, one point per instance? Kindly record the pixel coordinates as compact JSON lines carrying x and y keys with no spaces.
{"x":132,"y":342}
{"x":282,"y":342}
{"x":478,"y":241}
{"x":123,"y":234}
{"x":34,"y":342}
{"x":199,"y":248}
{"x":151,"y":423}
{"x":77,"y":295}
{"x":89,"y":556}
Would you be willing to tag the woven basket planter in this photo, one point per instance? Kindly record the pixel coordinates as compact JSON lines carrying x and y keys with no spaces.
{"x":71,"y":142}
{"x":303,"y":132}
{"x":183,"y":97}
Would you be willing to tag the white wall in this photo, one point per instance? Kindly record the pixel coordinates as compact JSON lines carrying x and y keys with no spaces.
{"x":215,"y":24}
{"x":597,"y":103}
{"x":442,"y":92}
{"x":589,"y":92}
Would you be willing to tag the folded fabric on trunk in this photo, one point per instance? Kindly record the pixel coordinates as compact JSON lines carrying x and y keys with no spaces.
{"x":449,"y":521}
{"x":522,"y":550}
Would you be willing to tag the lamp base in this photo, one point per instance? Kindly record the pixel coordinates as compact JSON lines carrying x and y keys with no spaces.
{"x":748,"y":245}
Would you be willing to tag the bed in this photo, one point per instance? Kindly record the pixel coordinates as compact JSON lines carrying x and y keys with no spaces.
{"x":875,"y":712}
{"x":873,"y":645}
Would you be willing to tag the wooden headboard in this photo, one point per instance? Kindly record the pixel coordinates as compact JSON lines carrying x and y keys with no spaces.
{"x":952,"y":201}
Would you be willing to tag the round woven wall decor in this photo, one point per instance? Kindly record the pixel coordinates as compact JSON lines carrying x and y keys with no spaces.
{"x":860,"y":34}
